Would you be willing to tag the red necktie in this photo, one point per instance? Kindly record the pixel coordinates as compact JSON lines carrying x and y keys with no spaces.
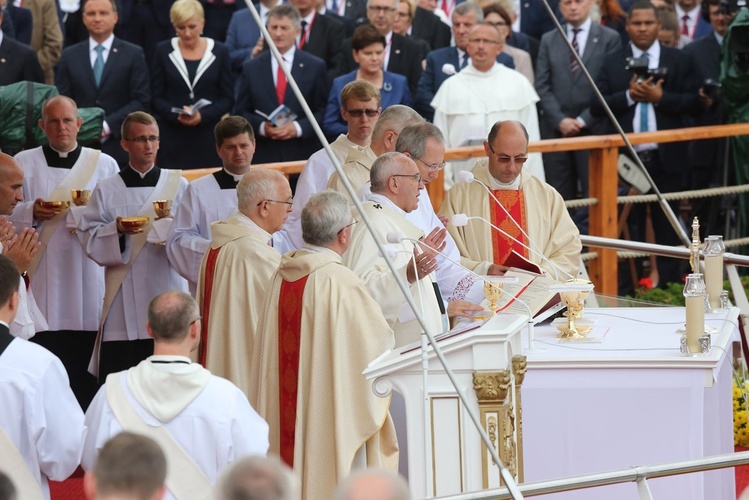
{"x":684,"y":27}
{"x":280,"y":84}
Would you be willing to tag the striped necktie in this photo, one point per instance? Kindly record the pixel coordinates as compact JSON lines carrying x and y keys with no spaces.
{"x":574,"y":65}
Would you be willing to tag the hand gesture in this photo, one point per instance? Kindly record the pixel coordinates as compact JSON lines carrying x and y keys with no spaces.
{"x":462,"y":309}
{"x":435,"y":240}
{"x":426,"y":263}
{"x":6,"y":230}
{"x":570,"y":127}
{"x":22,"y":248}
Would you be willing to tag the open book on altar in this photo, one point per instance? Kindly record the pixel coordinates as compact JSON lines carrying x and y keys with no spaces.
{"x":533,"y":290}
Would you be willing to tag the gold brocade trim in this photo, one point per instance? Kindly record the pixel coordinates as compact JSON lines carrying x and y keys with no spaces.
{"x":519,"y":367}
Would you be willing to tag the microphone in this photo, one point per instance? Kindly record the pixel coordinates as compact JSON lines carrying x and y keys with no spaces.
{"x":395,"y":237}
{"x":462,"y":220}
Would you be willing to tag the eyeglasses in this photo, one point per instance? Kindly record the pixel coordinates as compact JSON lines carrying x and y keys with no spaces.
{"x":383,"y":10}
{"x":434,"y":166}
{"x":196,"y":319}
{"x":357,"y":113}
{"x":348,"y":225}
{"x":416,"y":177}
{"x":507,"y":159}
{"x":289,"y":203}
{"x":478,"y":41}
{"x":142,"y":139}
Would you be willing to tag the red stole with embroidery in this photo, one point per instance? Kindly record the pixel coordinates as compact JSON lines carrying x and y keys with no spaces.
{"x":514,"y":201}
{"x":210,"y":273}
{"x":289,"y":338}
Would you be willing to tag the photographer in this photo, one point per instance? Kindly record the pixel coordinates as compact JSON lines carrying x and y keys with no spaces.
{"x":660,"y":95}
{"x":707,"y":157}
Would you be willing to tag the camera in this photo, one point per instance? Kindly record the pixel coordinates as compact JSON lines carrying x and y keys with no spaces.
{"x":639,"y":66}
{"x":711,"y":88}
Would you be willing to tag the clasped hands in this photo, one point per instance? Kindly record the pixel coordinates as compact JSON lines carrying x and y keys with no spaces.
{"x":19,"y":248}
{"x":646,"y":90}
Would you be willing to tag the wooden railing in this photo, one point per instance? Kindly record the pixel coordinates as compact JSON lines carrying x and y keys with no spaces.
{"x":603,"y":181}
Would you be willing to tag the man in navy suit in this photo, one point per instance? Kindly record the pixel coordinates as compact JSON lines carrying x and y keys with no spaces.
{"x":243,"y":33}
{"x":691,"y":24}
{"x":535,"y":19}
{"x":402,"y":56}
{"x":145,"y":23}
{"x":321,"y":36}
{"x":18,"y":62}
{"x":465,"y":16}
{"x":117,"y":81}
{"x":263,"y":87}
{"x":22,"y":22}
{"x":649,"y":104}
{"x":430,"y":28}
{"x":565,"y":92}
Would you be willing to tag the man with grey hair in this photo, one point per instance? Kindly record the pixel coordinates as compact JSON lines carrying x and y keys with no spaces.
{"x":128,"y":466}
{"x":321,"y":329}
{"x":443,"y":63}
{"x":261,"y":478}
{"x":396,"y":182}
{"x":235,"y":274}
{"x":373,"y":484}
{"x":384,"y":136}
{"x":202,"y":422}
{"x":425,"y":144}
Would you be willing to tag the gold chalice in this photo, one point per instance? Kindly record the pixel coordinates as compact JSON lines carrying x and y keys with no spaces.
{"x":163,"y":208}
{"x":58,"y":206}
{"x":575,"y":301}
{"x":80,"y":196}
{"x":137,"y":222}
{"x":492,"y":292}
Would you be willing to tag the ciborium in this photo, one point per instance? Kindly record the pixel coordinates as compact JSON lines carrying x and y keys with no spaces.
{"x":163,"y":208}
{"x":577,"y":290}
{"x":80,"y":197}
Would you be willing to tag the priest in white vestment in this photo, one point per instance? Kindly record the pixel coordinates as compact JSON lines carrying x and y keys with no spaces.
{"x":396,"y":183}
{"x":67,"y":284}
{"x":484,"y":92}
{"x":137,"y":267}
{"x":360,"y":109}
{"x":235,"y":274}
{"x":385,"y":134}
{"x":320,"y":330}
{"x":41,"y":424}
{"x":208,"y":419}
{"x":210,"y":198}
{"x":549,"y":237}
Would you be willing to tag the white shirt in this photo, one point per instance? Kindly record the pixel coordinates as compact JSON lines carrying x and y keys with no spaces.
{"x":654,"y":57}
{"x":582,"y":35}
{"x":388,"y":44}
{"x":309,"y":20}
{"x":692,"y":18}
{"x":93,"y":54}
{"x":288,"y":59}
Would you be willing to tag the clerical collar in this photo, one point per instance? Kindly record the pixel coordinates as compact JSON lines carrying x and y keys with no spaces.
{"x":378,"y":198}
{"x":226,"y":180}
{"x":246,"y":221}
{"x":133,"y":179}
{"x":316,"y":249}
{"x":56,"y":159}
{"x":497,"y":185}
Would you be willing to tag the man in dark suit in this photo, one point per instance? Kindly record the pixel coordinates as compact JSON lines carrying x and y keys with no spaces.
{"x":445,"y":62}
{"x":649,"y":104}
{"x":402,"y":56}
{"x":691,"y":24}
{"x":243,"y":33}
{"x":565,"y":92}
{"x":355,"y":10}
{"x":23,"y":22}
{"x":18,"y":62}
{"x":321,"y":36}
{"x":263,"y":87}
{"x":116,"y":80}
{"x":145,"y":23}
{"x":430,"y":28}
{"x":707,"y":157}
{"x":534,"y":19}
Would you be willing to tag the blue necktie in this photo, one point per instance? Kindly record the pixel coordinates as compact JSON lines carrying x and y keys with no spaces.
{"x":644,"y":109}
{"x":464,"y":61}
{"x":334,"y":7}
{"x":98,"y":64}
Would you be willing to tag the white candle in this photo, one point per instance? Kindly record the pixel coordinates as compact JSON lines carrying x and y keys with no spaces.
{"x":695,"y":321}
{"x":714,"y":279}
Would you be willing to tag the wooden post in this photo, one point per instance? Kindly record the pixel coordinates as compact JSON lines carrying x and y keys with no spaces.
{"x":603,"y":216}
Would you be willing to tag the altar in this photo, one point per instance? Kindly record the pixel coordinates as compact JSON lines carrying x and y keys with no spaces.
{"x":632,"y":399}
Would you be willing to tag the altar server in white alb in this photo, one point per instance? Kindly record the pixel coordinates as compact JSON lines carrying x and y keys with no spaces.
{"x":210,"y":198}
{"x":20,"y":247}
{"x":41,"y":424}
{"x":202,"y":422}
{"x":137,"y":268}
{"x":466,"y":105}
{"x":67,"y":285}
{"x":396,"y":182}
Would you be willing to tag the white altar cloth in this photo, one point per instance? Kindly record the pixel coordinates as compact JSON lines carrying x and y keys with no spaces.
{"x":631,"y":400}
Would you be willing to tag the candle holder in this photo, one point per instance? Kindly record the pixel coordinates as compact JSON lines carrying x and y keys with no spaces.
{"x":714,"y":250}
{"x":695,"y":340}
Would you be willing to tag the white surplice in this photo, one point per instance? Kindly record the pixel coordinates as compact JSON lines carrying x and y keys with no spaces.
{"x":150,"y":275}
{"x":39,"y":413}
{"x":468,"y":104}
{"x":29,"y":318}
{"x":68,"y":286}
{"x":208,"y":416}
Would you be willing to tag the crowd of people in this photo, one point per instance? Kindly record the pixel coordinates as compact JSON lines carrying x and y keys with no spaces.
{"x":104,"y":246}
